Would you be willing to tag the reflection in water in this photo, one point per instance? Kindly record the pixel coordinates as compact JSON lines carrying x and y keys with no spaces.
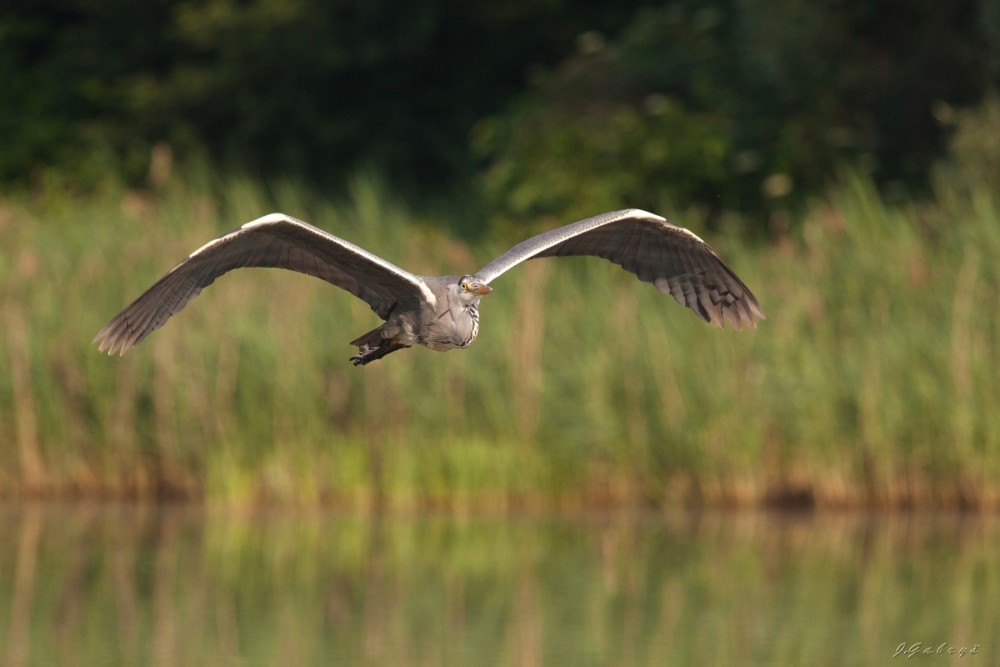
{"x":181,"y":586}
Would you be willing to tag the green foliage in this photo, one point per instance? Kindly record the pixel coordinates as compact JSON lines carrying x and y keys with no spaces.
{"x":738,"y":106}
{"x":305,"y":88}
{"x":972,"y":164}
{"x":733,"y":105}
{"x":565,"y":164}
{"x":872,"y":382}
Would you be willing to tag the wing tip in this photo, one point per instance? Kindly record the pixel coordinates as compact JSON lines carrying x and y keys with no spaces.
{"x":744,"y":312}
{"x":115,"y":338}
{"x":106,"y":345}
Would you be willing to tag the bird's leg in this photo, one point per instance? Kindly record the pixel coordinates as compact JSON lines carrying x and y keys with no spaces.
{"x":359,"y":359}
{"x":377,"y":343}
{"x":367,"y":354}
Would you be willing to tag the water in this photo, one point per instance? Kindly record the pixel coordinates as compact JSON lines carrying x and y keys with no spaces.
{"x":107,"y":586}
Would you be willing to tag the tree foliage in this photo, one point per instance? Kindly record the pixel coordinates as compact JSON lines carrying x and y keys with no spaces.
{"x":563,"y":106}
{"x":302,"y":87}
{"x":741,"y":105}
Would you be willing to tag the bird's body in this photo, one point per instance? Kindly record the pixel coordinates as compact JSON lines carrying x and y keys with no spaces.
{"x":441,"y":312}
{"x":445,"y":324}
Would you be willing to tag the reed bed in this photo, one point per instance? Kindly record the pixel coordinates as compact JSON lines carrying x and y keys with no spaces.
{"x":873,"y":382}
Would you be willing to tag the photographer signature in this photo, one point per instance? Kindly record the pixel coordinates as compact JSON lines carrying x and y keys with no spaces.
{"x":912,"y":649}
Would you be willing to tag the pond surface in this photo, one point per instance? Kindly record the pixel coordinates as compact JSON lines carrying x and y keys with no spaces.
{"x":110,"y":585}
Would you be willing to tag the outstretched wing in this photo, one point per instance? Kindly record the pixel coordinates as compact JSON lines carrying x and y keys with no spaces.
{"x":275,"y":240}
{"x":672,"y":258}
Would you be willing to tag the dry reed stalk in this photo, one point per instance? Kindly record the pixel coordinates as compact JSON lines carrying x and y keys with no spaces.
{"x":526,"y":348}
{"x":30,"y":458}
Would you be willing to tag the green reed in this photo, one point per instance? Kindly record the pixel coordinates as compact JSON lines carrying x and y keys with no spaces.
{"x":872,"y":382}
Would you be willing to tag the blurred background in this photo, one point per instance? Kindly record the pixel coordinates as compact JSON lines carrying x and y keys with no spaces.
{"x":601,"y":479}
{"x":844,"y":160}
{"x":529,"y":108}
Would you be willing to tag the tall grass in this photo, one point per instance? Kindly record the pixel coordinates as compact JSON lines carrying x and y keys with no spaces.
{"x":872,"y":383}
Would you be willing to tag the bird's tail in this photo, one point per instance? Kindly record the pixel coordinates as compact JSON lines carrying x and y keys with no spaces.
{"x":372,"y":346}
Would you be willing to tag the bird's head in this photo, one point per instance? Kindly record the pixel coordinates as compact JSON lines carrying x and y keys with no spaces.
{"x":471,"y":289}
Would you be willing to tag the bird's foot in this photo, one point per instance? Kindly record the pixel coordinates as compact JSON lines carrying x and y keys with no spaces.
{"x":367,"y":354}
{"x":361,"y":358}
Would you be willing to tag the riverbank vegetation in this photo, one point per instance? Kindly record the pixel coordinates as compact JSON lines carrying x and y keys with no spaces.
{"x":872,"y":383}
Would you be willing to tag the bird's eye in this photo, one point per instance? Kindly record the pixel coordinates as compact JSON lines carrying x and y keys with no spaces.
{"x":464,"y":285}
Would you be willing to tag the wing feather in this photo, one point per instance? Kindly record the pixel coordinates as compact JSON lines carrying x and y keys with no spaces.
{"x":670,"y":257}
{"x":276,"y":241}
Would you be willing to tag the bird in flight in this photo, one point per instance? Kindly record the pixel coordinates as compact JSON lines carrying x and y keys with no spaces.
{"x":441,"y":312}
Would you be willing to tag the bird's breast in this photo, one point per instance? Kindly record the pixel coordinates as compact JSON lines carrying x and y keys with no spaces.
{"x":473,"y":313}
{"x":452,"y":328}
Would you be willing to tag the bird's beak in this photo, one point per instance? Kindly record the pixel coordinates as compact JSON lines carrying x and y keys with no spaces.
{"x":482,"y":289}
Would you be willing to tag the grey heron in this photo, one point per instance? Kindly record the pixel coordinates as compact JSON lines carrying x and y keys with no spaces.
{"x":441,"y":312}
